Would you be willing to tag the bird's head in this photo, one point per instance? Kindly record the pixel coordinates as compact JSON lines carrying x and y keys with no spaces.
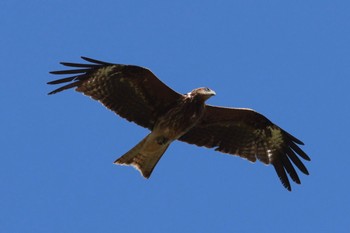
{"x":203,"y":93}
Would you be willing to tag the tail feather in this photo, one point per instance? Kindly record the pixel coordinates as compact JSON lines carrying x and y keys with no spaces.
{"x":141,"y":158}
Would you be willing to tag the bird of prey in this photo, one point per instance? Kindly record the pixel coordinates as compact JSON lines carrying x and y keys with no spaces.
{"x":136,"y":94}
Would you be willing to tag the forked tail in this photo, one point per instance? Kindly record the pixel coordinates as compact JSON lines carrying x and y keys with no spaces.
{"x":142,"y":157}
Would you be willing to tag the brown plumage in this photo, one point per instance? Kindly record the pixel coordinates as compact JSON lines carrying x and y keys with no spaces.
{"x":137,"y":95}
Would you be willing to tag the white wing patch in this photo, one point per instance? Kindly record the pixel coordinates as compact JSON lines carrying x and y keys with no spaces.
{"x":275,"y":140}
{"x":268,"y":142}
{"x":276,"y":136}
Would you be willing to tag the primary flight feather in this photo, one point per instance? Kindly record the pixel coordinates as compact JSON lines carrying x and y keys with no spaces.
{"x":136,"y":94}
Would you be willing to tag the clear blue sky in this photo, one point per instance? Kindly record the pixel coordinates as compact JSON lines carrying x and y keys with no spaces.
{"x":287,"y":60}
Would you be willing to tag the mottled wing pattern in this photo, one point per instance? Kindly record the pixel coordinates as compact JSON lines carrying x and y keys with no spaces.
{"x":132,"y":92}
{"x":252,"y":136}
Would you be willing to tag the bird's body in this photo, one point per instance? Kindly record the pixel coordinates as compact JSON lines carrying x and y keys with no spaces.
{"x":137,"y":95}
{"x":176,"y":122}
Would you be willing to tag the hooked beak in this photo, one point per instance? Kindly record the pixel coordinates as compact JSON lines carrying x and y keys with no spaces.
{"x":212,"y":93}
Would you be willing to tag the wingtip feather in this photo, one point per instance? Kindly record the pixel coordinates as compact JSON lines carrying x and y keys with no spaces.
{"x":282,"y":175}
{"x":95,"y":61}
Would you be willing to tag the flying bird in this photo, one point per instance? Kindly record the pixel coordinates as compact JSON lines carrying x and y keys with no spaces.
{"x":136,"y":94}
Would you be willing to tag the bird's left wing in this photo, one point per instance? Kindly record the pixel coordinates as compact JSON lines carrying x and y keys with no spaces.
{"x":250,"y":135}
{"x":133,"y":92}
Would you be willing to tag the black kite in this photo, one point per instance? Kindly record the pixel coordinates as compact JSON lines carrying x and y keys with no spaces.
{"x":137,"y":95}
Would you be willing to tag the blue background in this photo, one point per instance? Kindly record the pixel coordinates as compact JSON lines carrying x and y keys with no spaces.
{"x":287,"y":60}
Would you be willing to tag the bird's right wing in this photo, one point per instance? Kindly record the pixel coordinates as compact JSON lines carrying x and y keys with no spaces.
{"x":133,"y":92}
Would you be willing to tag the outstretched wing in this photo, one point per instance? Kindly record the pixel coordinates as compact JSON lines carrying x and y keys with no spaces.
{"x":252,"y":136}
{"x":132,"y":92}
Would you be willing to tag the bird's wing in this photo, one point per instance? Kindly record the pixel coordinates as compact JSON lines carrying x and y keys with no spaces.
{"x":132,"y":92}
{"x":252,"y":136}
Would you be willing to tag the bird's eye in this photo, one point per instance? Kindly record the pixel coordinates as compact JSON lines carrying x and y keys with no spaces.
{"x":206,"y":89}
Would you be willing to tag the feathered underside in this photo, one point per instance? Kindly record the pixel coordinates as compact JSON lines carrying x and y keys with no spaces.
{"x":137,"y":95}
